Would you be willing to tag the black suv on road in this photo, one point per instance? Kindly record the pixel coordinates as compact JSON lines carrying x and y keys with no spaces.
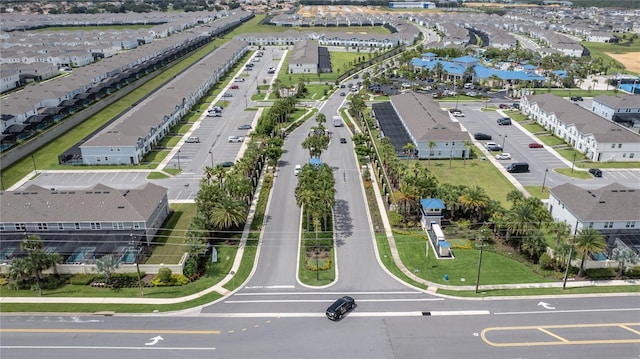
{"x":340,"y":307}
{"x":595,"y":172}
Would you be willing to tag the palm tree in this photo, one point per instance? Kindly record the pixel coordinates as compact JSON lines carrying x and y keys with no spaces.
{"x":37,"y":259}
{"x":515,"y":196}
{"x":534,"y":245}
{"x":106,"y":265}
{"x":474,"y":200}
{"x":228,"y":213}
{"x":561,"y":229}
{"x":219,"y":172}
{"x":431,"y":145}
{"x":410,"y":149}
{"x":467,"y":146}
{"x":589,"y":241}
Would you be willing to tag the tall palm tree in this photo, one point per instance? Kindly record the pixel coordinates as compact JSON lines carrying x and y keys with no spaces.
{"x":474,"y":200}
{"x":410,"y":149}
{"x":219,"y":173}
{"x":589,"y":241}
{"x":228,"y":213}
{"x":515,"y":196}
{"x":431,"y":145}
{"x":561,"y":229}
{"x":37,"y":260}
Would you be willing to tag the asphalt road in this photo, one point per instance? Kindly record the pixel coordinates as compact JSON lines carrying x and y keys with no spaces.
{"x":520,"y":328}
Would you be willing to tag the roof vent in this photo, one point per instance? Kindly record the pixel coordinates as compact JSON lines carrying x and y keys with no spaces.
{"x":602,"y":202}
{"x":120,"y":206}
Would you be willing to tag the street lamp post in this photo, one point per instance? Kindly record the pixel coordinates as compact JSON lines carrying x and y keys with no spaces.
{"x":566,"y":272}
{"x":137,"y":248}
{"x":480,"y":259}
{"x":211,"y":154}
{"x":573,"y":163}
{"x":246,"y":104}
{"x":503,"y":140}
{"x":544,"y":179}
{"x":179,"y":160}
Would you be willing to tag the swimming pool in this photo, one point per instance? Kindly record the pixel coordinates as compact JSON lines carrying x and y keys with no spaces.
{"x":630,"y":88}
{"x":80,"y":254}
{"x":129,"y":256}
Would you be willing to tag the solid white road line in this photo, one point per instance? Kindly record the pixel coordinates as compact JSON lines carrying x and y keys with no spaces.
{"x":351,"y":314}
{"x":324,"y":293}
{"x":571,"y":311}
{"x":332,"y":300}
{"x":94,"y":347}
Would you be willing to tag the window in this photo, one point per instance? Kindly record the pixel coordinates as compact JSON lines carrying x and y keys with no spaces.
{"x":620,"y":145}
{"x":590,"y":224}
{"x":60,"y":226}
{"x":630,"y":224}
{"x":106,"y":158}
{"x":77,"y":225}
{"x":95,"y":225}
{"x":1,"y":227}
{"x":43,"y":226}
{"x":613,"y":145}
{"x":608,"y":224}
{"x":624,"y":155}
{"x":20,"y":227}
{"x":117,"y":225}
{"x":631,"y":155}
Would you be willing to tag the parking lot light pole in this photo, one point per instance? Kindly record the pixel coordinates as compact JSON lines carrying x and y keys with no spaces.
{"x":573,"y":163}
{"x":211,"y":153}
{"x":503,"y":139}
{"x":179,"y":160}
{"x":544,"y":179}
{"x":34,"y":164}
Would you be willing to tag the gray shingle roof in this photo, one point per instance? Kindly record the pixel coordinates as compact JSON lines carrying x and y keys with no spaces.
{"x":614,"y":202}
{"x":96,"y":204}
{"x":619,"y":101}
{"x":425,"y":120}
{"x":585,"y":121}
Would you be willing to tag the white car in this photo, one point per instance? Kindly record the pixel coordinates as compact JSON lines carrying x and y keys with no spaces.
{"x":490,"y":144}
{"x":503,"y":156}
{"x":235,"y":138}
{"x":297,"y":170}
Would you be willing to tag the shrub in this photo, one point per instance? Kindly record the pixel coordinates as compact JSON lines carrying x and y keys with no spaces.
{"x":84,"y":279}
{"x":634,"y":272}
{"x":324,"y":264}
{"x":545,"y":261}
{"x":4,"y":281}
{"x":174,"y":280}
{"x":601,"y":273}
{"x":164,"y":274}
{"x":123,"y":280}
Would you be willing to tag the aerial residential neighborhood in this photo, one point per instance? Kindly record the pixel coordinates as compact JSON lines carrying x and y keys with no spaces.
{"x":251,"y":179}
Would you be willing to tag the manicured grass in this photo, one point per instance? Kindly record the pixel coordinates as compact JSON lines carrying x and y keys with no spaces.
{"x":533,"y":127}
{"x":600,"y":50}
{"x":324,"y":277}
{"x":170,"y":242}
{"x":476,"y":172}
{"x":550,"y":140}
{"x":541,"y":291}
{"x":340,"y":62}
{"x":156,"y":175}
{"x":463,"y":269}
{"x":574,"y":92}
{"x":575,"y":173}
{"x":536,"y":191}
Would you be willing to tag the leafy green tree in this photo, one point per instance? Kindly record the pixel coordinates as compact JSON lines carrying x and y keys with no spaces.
{"x":474,"y":200}
{"x":625,"y":257}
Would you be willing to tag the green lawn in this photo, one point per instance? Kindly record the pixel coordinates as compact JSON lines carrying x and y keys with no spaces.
{"x":551,"y":140}
{"x":463,"y":269}
{"x":170,"y":242}
{"x":600,"y":50}
{"x":573,"y":173}
{"x":574,"y":92}
{"x":476,"y":172}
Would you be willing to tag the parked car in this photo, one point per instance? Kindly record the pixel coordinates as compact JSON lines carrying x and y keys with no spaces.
{"x":244,"y":127}
{"x":227,"y":94}
{"x":503,"y":106}
{"x":239,"y":79}
{"x":234,"y":87}
{"x":481,"y":136}
{"x":297,"y":170}
{"x":494,"y":148}
{"x":235,"y":139}
{"x":518,"y":167}
{"x":596,"y":172}
{"x":214,"y":114}
{"x":343,"y":94}
{"x":488,"y":144}
{"x":249,"y":65}
{"x":193,"y":139}
{"x":340,"y":307}
{"x":577,"y":98}
{"x":535,"y":145}
{"x":505,"y":121}
{"x":503,"y":156}
{"x":226,"y":164}
{"x":343,"y":140}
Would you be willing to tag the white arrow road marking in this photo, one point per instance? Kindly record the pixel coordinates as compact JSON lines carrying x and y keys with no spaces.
{"x":546,"y":305}
{"x":154,"y":340}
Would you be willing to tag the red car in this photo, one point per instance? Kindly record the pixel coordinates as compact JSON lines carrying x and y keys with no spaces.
{"x":503,"y":106}
{"x":535,"y":145}
{"x":234,"y":87}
